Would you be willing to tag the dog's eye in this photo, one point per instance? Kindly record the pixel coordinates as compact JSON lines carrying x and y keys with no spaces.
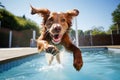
{"x":62,"y":20}
{"x":51,"y":20}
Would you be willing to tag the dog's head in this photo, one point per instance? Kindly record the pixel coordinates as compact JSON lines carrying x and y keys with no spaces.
{"x":55,"y":23}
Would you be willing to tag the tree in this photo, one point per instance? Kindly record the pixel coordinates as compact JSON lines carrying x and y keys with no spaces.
{"x":24,"y":17}
{"x":72,"y":32}
{"x":80,"y":33}
{"x":2,"y":5}
{"x":111,"y":28}
{"x":116,"y":16}
{"x":87,"y":32}
{"x":18,"y":23}
{"x":95,"y":31}
{"x":98,"y":30}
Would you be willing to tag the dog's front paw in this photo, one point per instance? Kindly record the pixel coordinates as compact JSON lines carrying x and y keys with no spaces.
{"x":52,"y":50}
{"x":77,"y":62}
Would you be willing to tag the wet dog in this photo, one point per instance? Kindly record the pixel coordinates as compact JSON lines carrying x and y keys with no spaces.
{"x":55,"y":27}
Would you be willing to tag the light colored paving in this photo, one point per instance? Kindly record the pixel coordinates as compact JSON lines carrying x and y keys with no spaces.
{"x":111,"y":46}
{"x":117,"y":47}
{"x":9,"y":53}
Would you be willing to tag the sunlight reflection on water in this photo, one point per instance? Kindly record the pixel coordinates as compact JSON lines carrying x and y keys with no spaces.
{"x":51,"y":67}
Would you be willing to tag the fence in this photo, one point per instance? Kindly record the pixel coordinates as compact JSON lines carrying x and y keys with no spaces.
{"x":26,"y":38}
{"x":99,"y":40}
{"x":17,"y":39}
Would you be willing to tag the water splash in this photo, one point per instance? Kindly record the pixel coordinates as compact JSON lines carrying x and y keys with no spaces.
{"x":54,"y":67}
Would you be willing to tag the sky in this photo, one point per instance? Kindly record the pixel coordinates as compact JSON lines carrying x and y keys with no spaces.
{"x":93,"y":13}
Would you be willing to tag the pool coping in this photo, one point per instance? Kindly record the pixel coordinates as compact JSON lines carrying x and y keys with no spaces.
{"x":111,"y":46}
{"x":11,"y":54}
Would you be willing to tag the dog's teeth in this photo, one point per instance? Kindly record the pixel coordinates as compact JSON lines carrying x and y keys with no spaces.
{"x":56,"y":36}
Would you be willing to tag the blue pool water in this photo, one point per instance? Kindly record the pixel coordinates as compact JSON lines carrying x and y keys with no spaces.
{"x":98,"y":65}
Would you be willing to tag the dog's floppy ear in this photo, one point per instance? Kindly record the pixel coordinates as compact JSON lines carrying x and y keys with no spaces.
{"x":43,"y":12}
{"x":72,"y":13}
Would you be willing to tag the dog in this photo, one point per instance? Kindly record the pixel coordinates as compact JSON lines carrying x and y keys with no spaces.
{"x":55,"y":32}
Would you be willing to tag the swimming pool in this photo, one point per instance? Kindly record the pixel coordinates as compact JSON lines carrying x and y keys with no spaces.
{"x":98,"y":65}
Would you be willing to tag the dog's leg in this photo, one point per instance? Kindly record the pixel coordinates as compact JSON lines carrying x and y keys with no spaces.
{"x":41,"y":44}
{"x":76,"y":52}
{"x":49,"y":58}
{"x":50,"y":49}
{"x":58,"y":58}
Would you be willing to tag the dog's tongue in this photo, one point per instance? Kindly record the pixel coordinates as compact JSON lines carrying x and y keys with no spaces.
{"x":57,"y":38}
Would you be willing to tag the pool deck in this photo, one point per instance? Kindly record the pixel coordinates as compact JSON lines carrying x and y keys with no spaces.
{"x":11,"y":53}
{"x":114,"y":47}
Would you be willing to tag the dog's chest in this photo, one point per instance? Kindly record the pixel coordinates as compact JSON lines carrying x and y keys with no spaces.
{"x":59,"y":46}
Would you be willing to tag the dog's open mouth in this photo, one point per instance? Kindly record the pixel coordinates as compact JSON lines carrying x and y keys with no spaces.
{"x":56,"y":38}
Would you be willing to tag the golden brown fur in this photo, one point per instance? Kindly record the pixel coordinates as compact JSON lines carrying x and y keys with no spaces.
{"x":55,"y":28}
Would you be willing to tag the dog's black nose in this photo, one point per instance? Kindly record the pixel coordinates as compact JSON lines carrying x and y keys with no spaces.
{"x":57,"y":29}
